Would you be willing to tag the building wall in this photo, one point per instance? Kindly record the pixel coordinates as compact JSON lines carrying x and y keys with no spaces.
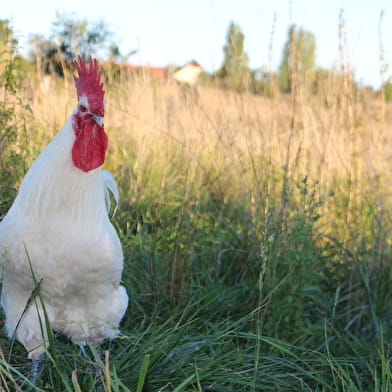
{"x":187,"y":74}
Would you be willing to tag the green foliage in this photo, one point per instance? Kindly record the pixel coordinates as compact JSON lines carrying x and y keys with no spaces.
{"x":8,"y":42}
{"x":267,"y":304}
{"x":387,"y":87}
{"x":11,"y":128}
{"x":45,"y":54}
{"x":298,"y":59}
{"x":206,"y":80}
{"x":235,"y":70}
{"x":73,"y":36}
{"x":263,"y":83}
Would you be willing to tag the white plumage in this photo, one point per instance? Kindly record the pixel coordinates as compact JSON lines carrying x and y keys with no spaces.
{"x":59,"y":222}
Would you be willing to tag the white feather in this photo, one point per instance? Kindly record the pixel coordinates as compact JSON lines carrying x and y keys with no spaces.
{"x":60,"y":216}
{"x":110,"y":187}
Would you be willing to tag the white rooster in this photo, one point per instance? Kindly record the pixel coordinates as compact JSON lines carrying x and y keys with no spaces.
{"x":58,"y":227}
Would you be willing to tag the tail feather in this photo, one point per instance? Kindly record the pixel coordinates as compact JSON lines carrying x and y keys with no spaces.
{"x":110,"y":186}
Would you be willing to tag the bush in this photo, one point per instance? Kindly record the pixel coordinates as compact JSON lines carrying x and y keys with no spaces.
{"x":388,"y":90}
{"x":12,"y":164}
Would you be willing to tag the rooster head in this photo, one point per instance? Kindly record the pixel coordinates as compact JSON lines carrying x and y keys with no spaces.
{"x":89,"y":148}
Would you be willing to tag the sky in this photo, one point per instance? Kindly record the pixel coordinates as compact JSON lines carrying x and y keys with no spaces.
{"x":178,"y":31}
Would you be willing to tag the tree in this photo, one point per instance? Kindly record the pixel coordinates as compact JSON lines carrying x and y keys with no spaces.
{"x":298,"y":60}
{"x":45,"y":54}
{"x":8,"y":42}
{"x":73,"y":36}
{"x":115,"y":55}
{"x":12,"y":67}
{"x":387,"y":89}
{"x":235,"y":69}
{"x":11,"y":63}
{"x":263,"y":82}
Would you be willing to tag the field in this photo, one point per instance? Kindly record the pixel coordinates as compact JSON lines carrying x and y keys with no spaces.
{"x":256,"y":234}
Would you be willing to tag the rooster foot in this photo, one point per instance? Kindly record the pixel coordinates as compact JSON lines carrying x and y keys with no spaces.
{"x":98,"y":371}
{"x":36,"y":366}
{"x":96,"y":366}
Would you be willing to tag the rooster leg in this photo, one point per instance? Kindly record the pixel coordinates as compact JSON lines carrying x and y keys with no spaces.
{"x":96,"y":366}
{"x":82,"y":350}
{"x":36,"y":366}
{"x":98,"y":369}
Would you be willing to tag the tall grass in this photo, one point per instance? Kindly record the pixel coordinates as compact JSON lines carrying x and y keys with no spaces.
{"x":256,"y":235}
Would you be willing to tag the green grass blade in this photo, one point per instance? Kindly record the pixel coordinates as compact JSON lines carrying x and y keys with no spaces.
{"x":143,"y":373}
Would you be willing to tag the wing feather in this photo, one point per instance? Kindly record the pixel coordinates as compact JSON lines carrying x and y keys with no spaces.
{"x":110,"y":186}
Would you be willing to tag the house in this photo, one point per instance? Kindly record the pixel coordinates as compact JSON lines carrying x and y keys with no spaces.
{"x":188,"y":73}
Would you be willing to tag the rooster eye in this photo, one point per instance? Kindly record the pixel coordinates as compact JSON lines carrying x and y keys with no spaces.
{"x":83,"y":108}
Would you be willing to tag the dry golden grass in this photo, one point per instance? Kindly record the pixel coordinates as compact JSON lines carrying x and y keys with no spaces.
{"x":241,"y":143}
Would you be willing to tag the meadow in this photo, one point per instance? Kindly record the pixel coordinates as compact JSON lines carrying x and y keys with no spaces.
{"x":256,"y":234}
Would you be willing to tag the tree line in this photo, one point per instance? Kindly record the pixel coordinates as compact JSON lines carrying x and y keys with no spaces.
{"x":297,"y":67}
{"x":70,"y":35}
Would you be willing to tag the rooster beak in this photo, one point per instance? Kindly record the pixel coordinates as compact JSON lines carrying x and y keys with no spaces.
{"x":98,"y":120}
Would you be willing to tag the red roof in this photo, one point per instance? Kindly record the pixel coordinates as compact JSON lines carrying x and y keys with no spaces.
{"x":159,"y":73}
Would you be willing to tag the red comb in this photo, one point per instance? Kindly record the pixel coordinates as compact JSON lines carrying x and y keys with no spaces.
{"x":89,"y":82}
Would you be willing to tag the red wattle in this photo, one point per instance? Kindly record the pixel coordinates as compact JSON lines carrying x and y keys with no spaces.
{"x":89,"y":148}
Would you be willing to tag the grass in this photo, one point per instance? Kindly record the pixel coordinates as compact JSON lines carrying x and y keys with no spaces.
{"x":256,"y":235}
